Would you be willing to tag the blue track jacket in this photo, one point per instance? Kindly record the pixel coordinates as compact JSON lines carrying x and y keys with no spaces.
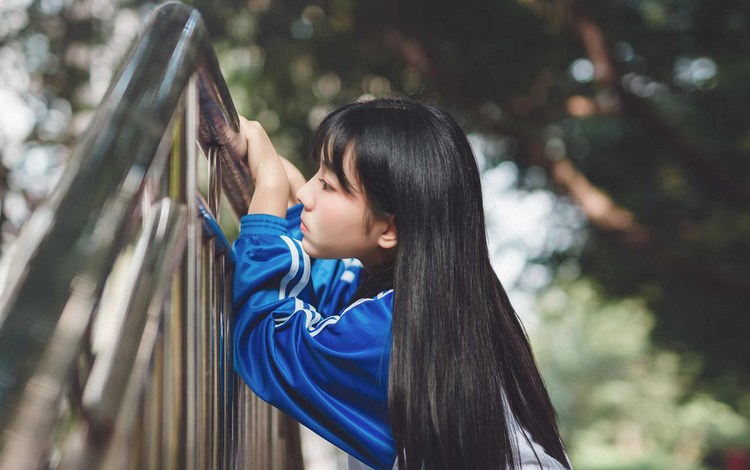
{"x":300,"y":346}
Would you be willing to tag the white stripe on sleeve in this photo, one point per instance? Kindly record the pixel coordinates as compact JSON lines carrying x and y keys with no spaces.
{"x":335,"y":318}
{"x":305,"y":272}
{"x":292,"y":269}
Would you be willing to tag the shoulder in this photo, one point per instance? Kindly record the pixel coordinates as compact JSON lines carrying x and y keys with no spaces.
{"x":364,"y":321}
{"x":383,"y":301}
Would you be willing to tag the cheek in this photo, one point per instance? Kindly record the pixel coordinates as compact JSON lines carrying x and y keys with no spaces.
{"x":332,"y":219}
{"x":341,"y":217}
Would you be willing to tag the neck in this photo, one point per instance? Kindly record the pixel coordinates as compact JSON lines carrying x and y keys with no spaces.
{"x":379,"y":260}
{"x":374,"y":282}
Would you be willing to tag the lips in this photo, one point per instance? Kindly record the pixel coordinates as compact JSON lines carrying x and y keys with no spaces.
{"x":303,"y":227}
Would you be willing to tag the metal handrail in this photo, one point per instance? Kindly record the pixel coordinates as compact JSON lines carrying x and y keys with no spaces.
{"x":160,"y":391}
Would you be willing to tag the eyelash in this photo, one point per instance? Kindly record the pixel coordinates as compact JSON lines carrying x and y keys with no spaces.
{"x":326,"y":186}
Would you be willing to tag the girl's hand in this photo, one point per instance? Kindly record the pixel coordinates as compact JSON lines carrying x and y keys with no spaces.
{"x":259,"y":146}
{"x":271,"y":183}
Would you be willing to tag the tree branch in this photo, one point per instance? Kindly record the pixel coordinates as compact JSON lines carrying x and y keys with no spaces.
{"x":690,"y":152}
{"x":597,"y":206}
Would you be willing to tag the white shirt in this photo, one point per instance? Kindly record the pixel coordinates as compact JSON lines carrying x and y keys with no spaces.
{"x":530,"y":455}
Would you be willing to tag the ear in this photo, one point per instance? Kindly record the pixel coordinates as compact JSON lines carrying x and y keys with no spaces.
{"x":388,"y":236}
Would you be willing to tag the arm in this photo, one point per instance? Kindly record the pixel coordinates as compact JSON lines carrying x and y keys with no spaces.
{"x":272,"y":186}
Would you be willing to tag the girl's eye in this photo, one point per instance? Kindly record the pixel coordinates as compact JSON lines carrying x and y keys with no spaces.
{"x":325,"y":185}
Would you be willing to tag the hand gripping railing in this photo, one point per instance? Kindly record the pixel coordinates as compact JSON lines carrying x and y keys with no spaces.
{"x":115,"y":313}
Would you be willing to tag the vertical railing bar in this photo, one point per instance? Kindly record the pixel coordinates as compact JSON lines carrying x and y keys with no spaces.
{"x":221,"y":369}
{"x":275,"y":454}
{"x":257,"y":430}
{"x":190,"y":277}
{"x":230,"y":404}
{"x":271,"y":438}
{"x":210,"y":354}
{"x":183,"y":148}
{"x":153,"y":399}
{"x":239,"y":457}
{"x":214,"y":326}
{"x":203,"y":339}
{"x":245,"y":425}
{"x":257,"y":438}
{"x":252,"y":438}
{"x":221,"y":350}
{"x":262,"y":430}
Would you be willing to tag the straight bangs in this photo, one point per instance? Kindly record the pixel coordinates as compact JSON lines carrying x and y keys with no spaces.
{"x":330,"y":143}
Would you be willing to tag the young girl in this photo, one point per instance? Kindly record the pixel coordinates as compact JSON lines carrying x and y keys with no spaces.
{"x":370,"y":311}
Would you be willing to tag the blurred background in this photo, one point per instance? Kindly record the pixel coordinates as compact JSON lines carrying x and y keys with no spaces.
{"x":614,"y":139}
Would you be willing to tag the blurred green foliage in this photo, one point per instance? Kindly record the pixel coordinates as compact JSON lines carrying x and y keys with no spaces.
{"x":623,"y":402}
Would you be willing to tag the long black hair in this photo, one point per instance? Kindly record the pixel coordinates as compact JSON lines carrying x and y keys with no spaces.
{"x":459,"y":352}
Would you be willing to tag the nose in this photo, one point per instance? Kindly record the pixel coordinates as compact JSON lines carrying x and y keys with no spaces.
{"x":303,"y":195}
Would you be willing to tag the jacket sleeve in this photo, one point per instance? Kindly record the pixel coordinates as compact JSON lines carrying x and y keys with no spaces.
{"x":329,"y":370}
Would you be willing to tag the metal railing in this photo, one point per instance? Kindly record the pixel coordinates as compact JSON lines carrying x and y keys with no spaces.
{"x":115,"y":313}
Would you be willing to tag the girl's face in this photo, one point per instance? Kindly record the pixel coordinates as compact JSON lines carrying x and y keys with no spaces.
{"x":335,"y":222}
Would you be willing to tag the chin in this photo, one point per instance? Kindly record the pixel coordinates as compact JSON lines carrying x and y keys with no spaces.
{"x":308,"y":249}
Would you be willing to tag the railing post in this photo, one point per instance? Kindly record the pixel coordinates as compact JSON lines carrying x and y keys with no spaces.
{"x":191,"y":275}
